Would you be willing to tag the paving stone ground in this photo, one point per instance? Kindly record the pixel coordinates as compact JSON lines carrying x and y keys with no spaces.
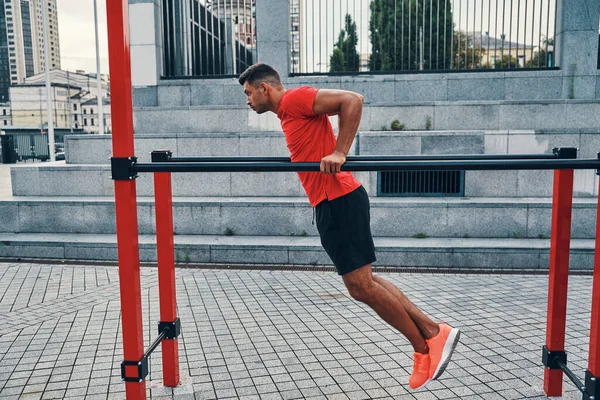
{"x":270,"y":334}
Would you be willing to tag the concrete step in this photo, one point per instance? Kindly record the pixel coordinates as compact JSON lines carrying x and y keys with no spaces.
{"x":97,"y":149}
{"x":441,"y":115}
{"x":59,"y":179}
{"x":443,"y":252}
{"x":292,"y":216}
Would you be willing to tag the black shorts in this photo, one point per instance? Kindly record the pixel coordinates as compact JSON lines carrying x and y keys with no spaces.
{"x":344,"y":227}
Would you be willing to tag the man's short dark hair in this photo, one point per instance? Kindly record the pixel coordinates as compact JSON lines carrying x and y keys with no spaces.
{"x":257,"y":73}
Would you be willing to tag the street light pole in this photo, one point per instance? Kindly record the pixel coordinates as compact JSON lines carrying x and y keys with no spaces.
{"x":98,"y":76}
{"x":48,"y":86}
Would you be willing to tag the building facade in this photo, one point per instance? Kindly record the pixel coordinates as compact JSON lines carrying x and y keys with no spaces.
{"x":74,"y":101}
{"x":38,"y":37}
{"x":5,"y":117}
{"x":22,"y":41}
{"x":4,"y":55}
{"x":89,"y":117}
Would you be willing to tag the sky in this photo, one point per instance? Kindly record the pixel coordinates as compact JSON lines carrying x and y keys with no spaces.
{"x":77,"y":35}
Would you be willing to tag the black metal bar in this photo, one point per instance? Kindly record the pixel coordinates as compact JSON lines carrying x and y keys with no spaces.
{"x":375,"y":158}
{"x":156,"y":342}
{"x":571,"y":376}
{"x":371,"y":166}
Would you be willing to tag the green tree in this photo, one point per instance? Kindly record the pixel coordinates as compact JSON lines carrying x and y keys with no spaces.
{"x":395,"y":27}
{"x":507,"y":61}
{"x":466,"y":55}
{"x":345,"y":57}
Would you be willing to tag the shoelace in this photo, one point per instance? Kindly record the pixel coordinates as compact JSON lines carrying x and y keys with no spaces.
{"x":419,"y":365}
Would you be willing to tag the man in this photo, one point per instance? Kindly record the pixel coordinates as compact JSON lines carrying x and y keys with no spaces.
{"x":342,"y":207}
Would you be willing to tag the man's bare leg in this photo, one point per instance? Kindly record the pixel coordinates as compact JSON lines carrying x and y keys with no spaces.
{"x":427,"y":327}
{"x":362,"y":287}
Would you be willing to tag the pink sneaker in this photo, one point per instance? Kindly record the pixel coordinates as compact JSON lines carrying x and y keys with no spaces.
{"x":420,"y":374}
{"x":441,"y":348}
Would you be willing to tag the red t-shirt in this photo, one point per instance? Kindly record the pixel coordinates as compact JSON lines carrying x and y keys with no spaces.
{"x":309,"y":138}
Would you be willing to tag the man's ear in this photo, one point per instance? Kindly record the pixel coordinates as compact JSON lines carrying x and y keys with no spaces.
{"x":264,"y":88}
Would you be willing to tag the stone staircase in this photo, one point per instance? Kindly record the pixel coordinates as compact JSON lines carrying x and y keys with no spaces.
{"x":66,"y":210}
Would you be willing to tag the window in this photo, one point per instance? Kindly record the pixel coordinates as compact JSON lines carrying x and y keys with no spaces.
{"x":91,"y":111}
{"x":5,"y":122}
{"x":4,"y":111}
{"x":85,"y":110}
{"x":75,"y":107}
{"x":85,"y":121}
{"x":92,"y":121}
{"x":75,"y":117}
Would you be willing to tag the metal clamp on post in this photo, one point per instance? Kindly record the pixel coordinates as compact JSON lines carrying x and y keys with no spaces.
{"x":123,"y":168}
{"x":142,"y":370}
{"x":592,"y":387}
{"x":161,"y":155}
{"x":171,"y":329}
{"x":558,"y":360}
{"x":565,"y":152}
{"x":553,"y":359}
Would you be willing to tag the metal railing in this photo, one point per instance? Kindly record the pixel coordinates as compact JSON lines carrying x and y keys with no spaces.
{"x":208,"y":38}
{"x":351,"y":36}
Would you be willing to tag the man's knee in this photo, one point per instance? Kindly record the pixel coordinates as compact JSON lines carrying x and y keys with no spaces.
{"x":360,"y":290}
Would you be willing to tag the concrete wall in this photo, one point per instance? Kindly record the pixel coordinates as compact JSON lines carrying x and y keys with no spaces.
{"x":145,"y":27}
{"x":386,"y":89}
{"x":390,"y":217}
{"x":571,"y":115}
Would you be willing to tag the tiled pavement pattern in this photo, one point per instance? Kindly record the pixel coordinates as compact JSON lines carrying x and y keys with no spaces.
{"x":277,"y":335}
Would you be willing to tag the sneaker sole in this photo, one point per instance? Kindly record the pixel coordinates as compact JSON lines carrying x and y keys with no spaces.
{"x":449,"y":347}
{"x":426,"y":382}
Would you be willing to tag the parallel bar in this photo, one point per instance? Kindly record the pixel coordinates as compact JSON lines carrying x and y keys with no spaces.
{"x":125,"y":190}
{"x":377,"y":158}
{"x":594,"y":358}
{"x":560,"y":238}
{"x":165,"y":248}
{"x":370,"y":166}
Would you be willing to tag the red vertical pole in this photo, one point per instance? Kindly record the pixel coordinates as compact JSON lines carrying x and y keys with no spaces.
{"x":594,"y":360}
{"x":125,"y":192}
{"x":166,"y":272}
{"x":560,"y":241}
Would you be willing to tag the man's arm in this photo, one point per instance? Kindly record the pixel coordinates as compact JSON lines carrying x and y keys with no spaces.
{"x":348,"y":106}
